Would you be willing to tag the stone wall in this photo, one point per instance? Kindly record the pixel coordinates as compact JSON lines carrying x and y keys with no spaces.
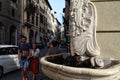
{"x":108,"y":27}
{"x":10,"y":17}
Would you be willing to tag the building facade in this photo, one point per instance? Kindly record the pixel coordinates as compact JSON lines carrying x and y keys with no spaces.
{"x":37,"y":20}
{"x":31,"y":18}
{"x":10,"y":21}
{"x":55,"y":26}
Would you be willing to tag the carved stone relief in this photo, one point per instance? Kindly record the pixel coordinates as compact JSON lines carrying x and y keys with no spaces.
{"x":83,"y":28}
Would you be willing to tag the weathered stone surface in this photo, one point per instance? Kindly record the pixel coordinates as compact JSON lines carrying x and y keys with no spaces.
{"x":109,"y":44}
{"x":111,"y":71}
{"x":108,"y":18}
{"x":83,"y":43}
{"x":83,"y":28}
{"x":108,"y":28}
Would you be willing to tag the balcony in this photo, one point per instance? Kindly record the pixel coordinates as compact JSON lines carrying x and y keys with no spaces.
{"x":28,"y":24}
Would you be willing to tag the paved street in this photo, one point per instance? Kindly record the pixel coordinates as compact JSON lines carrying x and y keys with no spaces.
{"x":16,"y":75}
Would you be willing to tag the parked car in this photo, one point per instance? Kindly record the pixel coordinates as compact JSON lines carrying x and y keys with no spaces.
{"x":8,"y":58}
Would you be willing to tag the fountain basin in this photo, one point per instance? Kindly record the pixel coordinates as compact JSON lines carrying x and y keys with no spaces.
{"x":54,"y":71}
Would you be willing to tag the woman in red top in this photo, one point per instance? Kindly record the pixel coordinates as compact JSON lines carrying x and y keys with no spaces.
{"x":34,"y":62}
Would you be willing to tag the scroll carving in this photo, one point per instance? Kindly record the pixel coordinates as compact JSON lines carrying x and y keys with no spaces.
{"x":83,"y":28}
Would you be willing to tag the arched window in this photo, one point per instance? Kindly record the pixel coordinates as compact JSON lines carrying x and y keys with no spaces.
{"x":13,"y":35}
{"x":37,"y":37}
{"x":2,"y":33}
{"x":31,"y":36}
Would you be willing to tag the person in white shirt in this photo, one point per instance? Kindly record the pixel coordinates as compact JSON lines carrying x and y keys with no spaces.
{"x":34,"y":60}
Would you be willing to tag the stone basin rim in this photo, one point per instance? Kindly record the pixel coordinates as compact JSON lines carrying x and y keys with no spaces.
{"x":77,"y":70}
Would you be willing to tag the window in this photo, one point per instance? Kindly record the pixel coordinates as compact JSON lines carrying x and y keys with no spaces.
{"x":0,"y":6}
{"x":33,"y":19}
{"x":28,"y":17}
{"x":13,"y":12}
{"x":45,"y":21}
{"x":41,"y":18}
{"x":13,"y":50}
{"x":2,"y":51}
{"x":8,"y":50}
{"x":37,"y":20}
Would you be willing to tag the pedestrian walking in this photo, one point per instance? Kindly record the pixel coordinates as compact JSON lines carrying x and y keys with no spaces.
{"x":54,"y":48}
{"x":34,"y":61}
{"x":23,"y":56}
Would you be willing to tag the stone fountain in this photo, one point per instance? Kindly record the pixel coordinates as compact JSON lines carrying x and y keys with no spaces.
{"x":84,"y":61}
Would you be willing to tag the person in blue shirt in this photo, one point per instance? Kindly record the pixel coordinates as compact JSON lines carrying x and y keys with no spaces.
{"x":54,"y":48}
{"x":23,"y":56}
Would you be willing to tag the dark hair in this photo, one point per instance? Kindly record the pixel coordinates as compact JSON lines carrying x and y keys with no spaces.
{"x":24,"y":37}
{"x":54,"y":43}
